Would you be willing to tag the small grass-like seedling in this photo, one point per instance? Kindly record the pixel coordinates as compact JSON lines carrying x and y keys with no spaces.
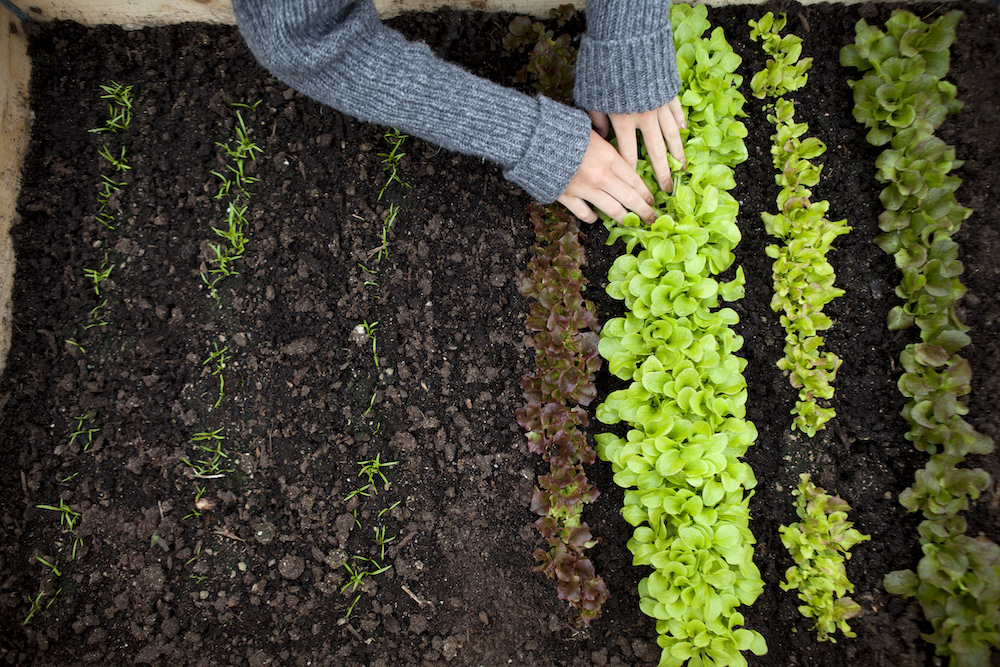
{"x":371,"y":403}
{"x":234,"y":180}
{"x":240,"y":178}
{"x":225,"y":188}
{"x":94,"y":319}
{"x":197,"y":554}
{"x":99,"y":275}
{"x":109,"y":187}
{"x":82,"y":349}
{"x":218,"y":359}
{"x":36,"y":605}
{"x":67,"y":515}
{"x":51,"y":566}
{"x":373,"y":272}
{"x":373,"y":468}
{"x":199,"y":504}
{"x":382,"y":251}
{"x":389,"y":508}
{"x":221,"y":260}
{"x":244,"y":146}
{"x":363,"y":491}
{"x":234,"y":233}
{"x":119,"y":108}
{"x":210,"y":465}
{"x":85,"y":432}
{"x":391,"y":159}
{"x":239,"y":151}
{"x":358,"y":574}
{"x":350,"y":609}
{"x":235,"y":230}
{"x":119,"y":117}
{"x":382,"y":541}
{"x":69,"y":518}
{"x":370,"y":330}
{"x":119,"y":163}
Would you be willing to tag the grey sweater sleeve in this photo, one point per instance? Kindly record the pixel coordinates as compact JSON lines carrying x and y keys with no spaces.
{"x":339,"y":53}
{"x":627,"y":62}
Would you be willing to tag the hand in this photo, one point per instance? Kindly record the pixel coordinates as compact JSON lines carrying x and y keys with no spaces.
{"x":658,"y":126}
{"x":607,"y":181}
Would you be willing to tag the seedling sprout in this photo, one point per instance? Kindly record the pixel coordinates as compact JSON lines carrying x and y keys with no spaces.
{"x":51,"y":566}
{"x":390,"y":160}
{"x":67,"y":516}
{"x":99,"y":275}
{"x":373,"y":468}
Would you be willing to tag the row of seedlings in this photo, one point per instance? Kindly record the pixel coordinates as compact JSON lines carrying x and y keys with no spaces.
{"x":820,"y":542}
{"x":361,"y":569}
{"x":206,"y":458}
{"x":687,"y":491}
{"x":564,"y":331}
{"x":902,"y":99}
{"x":803,"y":278}
{"x":85,"y":427}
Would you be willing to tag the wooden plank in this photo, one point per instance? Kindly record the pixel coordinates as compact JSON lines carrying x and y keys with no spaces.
{"x":14,"y":126}
{"x":139,"y":13}
{"x":129,"y":13}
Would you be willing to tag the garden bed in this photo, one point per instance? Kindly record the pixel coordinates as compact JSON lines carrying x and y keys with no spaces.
{"x":258,"y":578}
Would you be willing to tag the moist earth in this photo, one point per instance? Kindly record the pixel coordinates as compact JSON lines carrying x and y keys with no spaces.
{"x":259,"y":570}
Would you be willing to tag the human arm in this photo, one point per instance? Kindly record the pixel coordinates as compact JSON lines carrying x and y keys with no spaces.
{"x":339,"y":53}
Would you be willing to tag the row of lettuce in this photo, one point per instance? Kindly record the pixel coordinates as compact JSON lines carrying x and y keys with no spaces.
{"x":803,"y":283}
{"x":687,"y":491}
{"x":902,"y":99}
{"x":678,"y":456}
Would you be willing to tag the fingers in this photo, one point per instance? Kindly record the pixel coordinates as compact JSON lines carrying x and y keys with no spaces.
{"x":600,"y":122}
{"x":672,"y":122}
{"x":677,"y":111}
{"x":653,"y":134}
{"x":579,"y":208}
{"x":608,"y":182}
{"x":625,"y":127}
{"x":661,"y":134}
{"x":628,"y":186}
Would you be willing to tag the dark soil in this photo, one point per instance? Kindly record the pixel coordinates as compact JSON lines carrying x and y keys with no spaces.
{"x":258,"y":579}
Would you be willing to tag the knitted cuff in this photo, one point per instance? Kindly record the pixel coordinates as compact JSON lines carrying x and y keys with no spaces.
{"x":629,"y":75}
{"x":554,"y":151}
